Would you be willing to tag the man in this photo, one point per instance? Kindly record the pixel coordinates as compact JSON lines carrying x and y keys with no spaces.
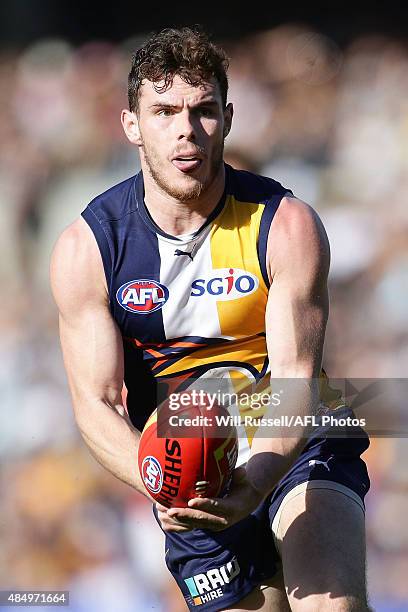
{"x":193,"y":269}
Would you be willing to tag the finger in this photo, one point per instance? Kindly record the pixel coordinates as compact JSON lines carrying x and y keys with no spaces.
{"x":165,"y":518}
{"x":198,"y":519}
{"x":162,"y":516}
{"x":161,"y":508}
{"x":174,"y":528}
{"x":212,"y":506}
{"x":171,"y":524}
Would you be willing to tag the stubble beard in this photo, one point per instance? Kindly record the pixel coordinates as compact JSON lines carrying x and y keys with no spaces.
{"x":185,"y":193}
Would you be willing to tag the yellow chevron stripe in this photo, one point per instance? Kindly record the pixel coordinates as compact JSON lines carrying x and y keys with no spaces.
{"x":248,"y":351}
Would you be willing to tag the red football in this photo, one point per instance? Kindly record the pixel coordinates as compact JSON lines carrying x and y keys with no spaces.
{"x":187,"y":453}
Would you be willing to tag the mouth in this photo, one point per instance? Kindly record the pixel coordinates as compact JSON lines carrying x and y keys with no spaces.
{"x":187,"y":163}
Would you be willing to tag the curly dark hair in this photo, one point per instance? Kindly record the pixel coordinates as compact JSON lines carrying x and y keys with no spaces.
{"x":186,"y":52}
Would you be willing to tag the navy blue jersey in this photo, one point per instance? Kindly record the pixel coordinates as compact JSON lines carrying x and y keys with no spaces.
{"x":182,"y":303}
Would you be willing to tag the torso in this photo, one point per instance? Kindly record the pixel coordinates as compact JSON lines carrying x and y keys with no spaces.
{"x":190,"y":307}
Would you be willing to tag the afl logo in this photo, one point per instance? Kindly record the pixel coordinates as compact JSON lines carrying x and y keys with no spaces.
{"x":225,"y":284}
{"x":142,"y":296}
{"x":152,"y":474}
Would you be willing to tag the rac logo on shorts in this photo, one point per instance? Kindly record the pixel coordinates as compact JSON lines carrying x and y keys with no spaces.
{"x":207,"y":586}
{"x":224,"y":284}
{"x":142,"y":296}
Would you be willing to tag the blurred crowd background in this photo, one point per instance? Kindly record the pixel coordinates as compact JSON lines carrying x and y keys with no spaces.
{"x":328,"y":120}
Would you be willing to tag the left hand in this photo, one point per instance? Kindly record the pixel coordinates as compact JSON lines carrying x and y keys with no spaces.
{"x":215,"y":514}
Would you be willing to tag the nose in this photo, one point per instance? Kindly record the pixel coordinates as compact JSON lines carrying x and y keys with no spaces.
{"x":185,"y":125}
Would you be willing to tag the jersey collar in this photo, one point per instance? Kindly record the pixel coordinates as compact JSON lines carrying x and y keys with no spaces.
{"x":145,"y":215}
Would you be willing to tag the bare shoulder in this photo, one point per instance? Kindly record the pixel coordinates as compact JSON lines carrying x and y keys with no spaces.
{"x":296,"y":219}
{"x":297,"y":240}
{"x":76,"y":269}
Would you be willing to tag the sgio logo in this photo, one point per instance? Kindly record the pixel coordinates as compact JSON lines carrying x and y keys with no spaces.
{"x":225,"y":284}
{"x":142,"y":296}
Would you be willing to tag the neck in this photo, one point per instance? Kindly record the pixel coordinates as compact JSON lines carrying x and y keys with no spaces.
{"x":181,"y":217}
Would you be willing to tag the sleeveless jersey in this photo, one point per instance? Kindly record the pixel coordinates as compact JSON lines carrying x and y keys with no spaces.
{"x":188,"y":307}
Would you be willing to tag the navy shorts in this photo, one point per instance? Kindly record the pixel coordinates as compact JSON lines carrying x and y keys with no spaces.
{"x":215,"y":570}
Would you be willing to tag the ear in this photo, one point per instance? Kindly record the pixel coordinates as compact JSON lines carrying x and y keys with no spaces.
{"x":228,"y":114}
{"x":130,"y":125}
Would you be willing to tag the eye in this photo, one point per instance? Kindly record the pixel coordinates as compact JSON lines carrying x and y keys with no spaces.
{"x":206,"y":112}
{"x":164,"y":112}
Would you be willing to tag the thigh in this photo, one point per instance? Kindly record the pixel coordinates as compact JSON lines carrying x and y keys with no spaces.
{"x":321,"y":537}
{"x":215,"y":570}
{"x":269,"y":597}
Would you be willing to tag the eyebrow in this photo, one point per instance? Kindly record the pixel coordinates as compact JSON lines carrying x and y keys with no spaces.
{"x":169,"y":105}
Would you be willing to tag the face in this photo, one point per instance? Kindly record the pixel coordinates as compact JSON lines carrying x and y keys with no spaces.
{"x":181,"y":134}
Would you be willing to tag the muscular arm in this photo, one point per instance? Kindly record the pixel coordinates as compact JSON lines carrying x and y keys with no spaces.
{"x":296,"y":317}
{"x":93,"y":353}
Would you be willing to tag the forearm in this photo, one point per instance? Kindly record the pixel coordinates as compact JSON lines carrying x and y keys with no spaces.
{"x":275,"y":448}
{"x":111,"y":438}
